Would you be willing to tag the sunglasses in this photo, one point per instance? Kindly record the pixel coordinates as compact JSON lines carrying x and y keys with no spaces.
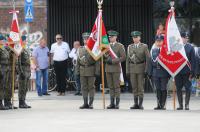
{"x":59,"y":38}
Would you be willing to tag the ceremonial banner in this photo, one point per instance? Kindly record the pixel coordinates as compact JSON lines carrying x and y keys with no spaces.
{"x":172,"y":55}
{"x":98,"y":43}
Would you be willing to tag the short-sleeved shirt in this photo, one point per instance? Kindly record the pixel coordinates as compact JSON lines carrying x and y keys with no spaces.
{"x":60,"y":52}
{"x":42,"y":56}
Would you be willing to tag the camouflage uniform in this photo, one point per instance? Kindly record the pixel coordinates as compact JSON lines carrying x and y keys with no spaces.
{"x":24,"y":76}
{"x":8,"y":92}
{"x":4,"y":56}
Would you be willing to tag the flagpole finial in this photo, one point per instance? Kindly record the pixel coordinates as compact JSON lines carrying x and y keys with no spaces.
{"x":99,"y":2}
{"x":13,"y":4}
{"x":172,"y":3}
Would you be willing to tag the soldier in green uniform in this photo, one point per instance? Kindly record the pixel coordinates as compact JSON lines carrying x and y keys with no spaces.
{"x":8,"y":92}
{"x":23,"y":67}
{"x":4,"y":56}
{"x":87,"y":68}
{"x":136,"y":67}
{"x":113,"y":70}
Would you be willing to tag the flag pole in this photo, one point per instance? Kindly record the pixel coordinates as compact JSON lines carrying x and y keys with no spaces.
{"x":174,"y":94}
{"x":13,"y":70}
{"x":100,"y":2}
{"x":172,"y":3}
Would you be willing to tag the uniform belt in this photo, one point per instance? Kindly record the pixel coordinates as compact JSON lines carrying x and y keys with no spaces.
{"x":87,"y":65}
{"x":137,"y":62}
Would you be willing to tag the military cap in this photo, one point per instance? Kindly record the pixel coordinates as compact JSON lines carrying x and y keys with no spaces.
{"x":85,"y":35}
{"x":1,"y":37}
{"x":184,"y":35}
{"x":23,"y":37}
{"x":136,"y":33}
{"x":159,"y":37}
{"x":112,"y":33}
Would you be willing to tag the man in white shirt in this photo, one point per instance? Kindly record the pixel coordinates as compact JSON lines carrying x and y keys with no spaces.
{"x":73,"y":55}
{"x":60,"y":52}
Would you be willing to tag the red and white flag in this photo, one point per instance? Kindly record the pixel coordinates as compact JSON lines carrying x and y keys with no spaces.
{"x":172,"y":55}
{"x":98,"y":40}
{"x":14,"y":37}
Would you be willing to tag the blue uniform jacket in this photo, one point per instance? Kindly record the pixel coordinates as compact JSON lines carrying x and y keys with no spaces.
{"x":190,"y":53}
{"x":197,"y":55}
{"x":154,"y":68}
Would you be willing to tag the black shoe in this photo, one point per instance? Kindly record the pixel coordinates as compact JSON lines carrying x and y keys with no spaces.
{"x":47,"y":94}
{"x":112,"y":103}
{"x":8,"y":104}
{"x":140,"y":103}
{"x":180,"y":108}
{"x":91,"y":102}
{"x":117,"y":103}
{"x":157,"y":108}
{"x":135,"y":106}
{"x":77,"y":93}
{"x":85,"y":105}
{"x":23,"y":105}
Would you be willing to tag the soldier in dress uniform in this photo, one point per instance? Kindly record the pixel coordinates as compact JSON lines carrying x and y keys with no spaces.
{"x":113,"y":70}
{"x":159,"y":75}
{"x":87,"y":68}
{"x":24,"y":71}
{"x":4,"y":56}
{"x":8,"y":93}
{"x":136,"y":67}
{"x":183,"y":78}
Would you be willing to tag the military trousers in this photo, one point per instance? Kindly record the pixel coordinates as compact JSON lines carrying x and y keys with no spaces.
{"x":183,"y":80}
{"x":160,"y":83}
{"x":3,"y":80}
{"x":24,"y":83}
{"x":113,"y":81}
{"x":87,"y":86}
{"x":137,"y":83}
{"x":8,"y":91}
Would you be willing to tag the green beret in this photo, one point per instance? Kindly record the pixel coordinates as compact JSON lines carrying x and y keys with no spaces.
{"x":136,"y":33}
{"x":23,"y":38}
{"x":85,"y":35}
{"x":1,"y":37}
{"x":113,"y":33}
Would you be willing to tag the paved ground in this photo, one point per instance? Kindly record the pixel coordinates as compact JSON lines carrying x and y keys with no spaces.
{"x":61,"y":114}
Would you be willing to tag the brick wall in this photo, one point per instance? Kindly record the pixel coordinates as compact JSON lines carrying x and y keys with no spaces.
{"x":38,"y":28}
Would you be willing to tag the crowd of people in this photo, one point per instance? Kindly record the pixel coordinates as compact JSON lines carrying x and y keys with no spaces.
{"x":139,"y":63}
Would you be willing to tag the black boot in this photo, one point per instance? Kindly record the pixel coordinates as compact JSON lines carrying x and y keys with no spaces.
{"x":180,"y":100}
{"x":91,"y":102}
{"x":23,"y":105}
{"x":117,"y":103}
{"x":7,"y":103}
{"x":158,"y":100}
{"x":2,"y":107}
{"x":187,"y":100}
{"x":85,"y":105}
{"x":140,"y":103}
{"x":163,"y":99}
{"x":112,"y":103}
{"x":135,"y":106}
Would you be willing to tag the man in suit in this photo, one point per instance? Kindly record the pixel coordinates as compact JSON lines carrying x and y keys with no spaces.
{"x":159,"y":75}
{"x":136,"y":67}
{"x":113,"y":69}
{"x":186,"y":74}
{"x":87,"y":68}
